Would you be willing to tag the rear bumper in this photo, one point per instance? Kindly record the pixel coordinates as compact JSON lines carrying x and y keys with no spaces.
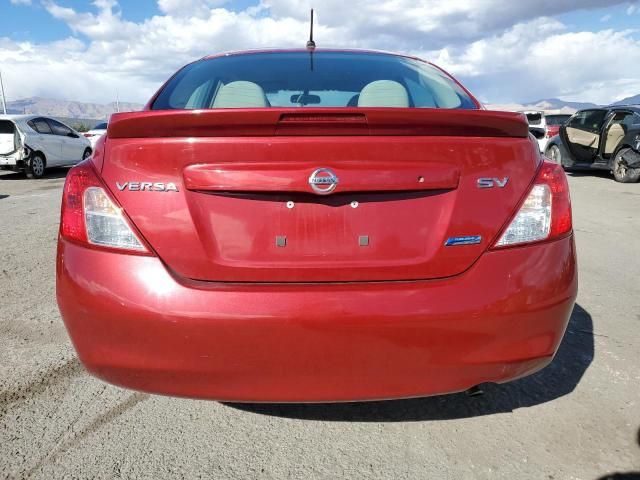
{"x":133,"y":324}
{"x":11,"y":160}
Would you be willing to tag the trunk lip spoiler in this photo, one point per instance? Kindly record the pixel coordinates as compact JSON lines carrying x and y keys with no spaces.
{"x":264,"y":122}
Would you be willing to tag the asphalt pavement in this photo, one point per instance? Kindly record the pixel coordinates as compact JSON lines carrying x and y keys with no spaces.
{"x":577,"y":419}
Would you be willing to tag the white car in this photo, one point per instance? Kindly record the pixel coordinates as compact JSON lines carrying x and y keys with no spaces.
{"x":34,"y":142}
{"x":96,"y":132}
{"x":544,"y":125}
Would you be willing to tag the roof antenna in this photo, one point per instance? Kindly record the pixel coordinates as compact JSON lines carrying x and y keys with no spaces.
{"x":4,"y":97}
{"x":311,"y":45}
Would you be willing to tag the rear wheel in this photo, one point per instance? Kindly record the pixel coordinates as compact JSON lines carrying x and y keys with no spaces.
{"x":621,"y":172}
{"x":35,"y":166}
{"x":554,"y":154}
{"x":86,"y":154}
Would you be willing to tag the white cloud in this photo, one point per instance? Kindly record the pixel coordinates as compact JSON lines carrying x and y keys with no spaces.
{"x":105,"y":26}
{"x":62,"y":71}
{"x":21,"y":2}
{"x":427,"y":23}
{"x":540,"y":59}
{"x":503,"y":49}
{"x":186,"y":8}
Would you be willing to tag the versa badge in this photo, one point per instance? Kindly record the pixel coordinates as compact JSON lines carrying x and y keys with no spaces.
{"x":147,"y":186}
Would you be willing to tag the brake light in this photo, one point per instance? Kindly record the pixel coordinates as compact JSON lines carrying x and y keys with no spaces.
{"x":92,"y":217}
{"x":545,"y":213}
{"x":88,"y":135}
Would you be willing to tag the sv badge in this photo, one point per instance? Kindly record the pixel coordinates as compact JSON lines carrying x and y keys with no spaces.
{"x":492,"y":182}
{"x":147,"y":186}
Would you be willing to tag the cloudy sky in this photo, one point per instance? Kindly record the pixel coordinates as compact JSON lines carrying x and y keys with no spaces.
{"x":503,"y":50}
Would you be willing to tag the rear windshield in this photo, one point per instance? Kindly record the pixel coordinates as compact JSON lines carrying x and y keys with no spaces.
{"x":534,"y":118}
{"x":302,"y":79}
{"x":100,"y":126}
{"x":556,"y":120}
{"x":7,"y":127}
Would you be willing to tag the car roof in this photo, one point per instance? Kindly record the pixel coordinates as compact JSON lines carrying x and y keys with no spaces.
{"x":633,"y":107}
{"x":19,"y":117}
{"x":306,"y":50}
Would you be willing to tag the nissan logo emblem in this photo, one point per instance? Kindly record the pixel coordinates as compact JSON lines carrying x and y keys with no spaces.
{"x":323,"y":181}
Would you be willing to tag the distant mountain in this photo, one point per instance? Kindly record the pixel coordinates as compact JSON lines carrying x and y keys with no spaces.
{"x":551,"y":105}
{"x":520,"y":107}
{"x":557,"y":104}
{"x":97,"y":111}
{"x":68,"y":109}
{"x":635,"y":100}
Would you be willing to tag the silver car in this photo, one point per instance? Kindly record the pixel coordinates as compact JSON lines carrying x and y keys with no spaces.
{"x":31,"y":143}
{"x":96,"y":132}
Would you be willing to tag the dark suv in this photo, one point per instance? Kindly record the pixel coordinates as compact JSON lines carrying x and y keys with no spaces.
{"x":605,"y":138}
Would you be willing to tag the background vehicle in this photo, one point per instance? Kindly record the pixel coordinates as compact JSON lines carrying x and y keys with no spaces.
{"x":96,"y":132}
{"x":31,"y":143}
{"x":553,"y":123}
{"x":543,"y":126}
{"x":315,"y":226}
{"x":601,"y":139}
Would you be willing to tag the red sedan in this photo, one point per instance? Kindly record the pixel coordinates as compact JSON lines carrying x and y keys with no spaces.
{"x":296,"y":226}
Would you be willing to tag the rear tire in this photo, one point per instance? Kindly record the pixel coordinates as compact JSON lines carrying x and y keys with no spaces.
{"x":86,"y":154}
{"x":35,"y":166}
{"x":554,"y":154}
{"x":621,"y":172}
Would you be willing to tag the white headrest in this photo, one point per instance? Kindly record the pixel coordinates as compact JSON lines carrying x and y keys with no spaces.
{"x":383,"y":93}
{"x":240,"y":94}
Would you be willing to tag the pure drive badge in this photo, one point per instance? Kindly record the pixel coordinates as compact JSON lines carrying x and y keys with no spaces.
{"x":147,"y":186}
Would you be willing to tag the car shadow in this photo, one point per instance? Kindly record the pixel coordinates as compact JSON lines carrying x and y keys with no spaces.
{"x":556,"y":380}
{"x":590,"y":173}
{"x":2,"y":197}
{"x":49,"y":173}
{"x":624,"y":475}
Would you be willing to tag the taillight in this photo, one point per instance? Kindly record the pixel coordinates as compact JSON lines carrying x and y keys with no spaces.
{"x":545,"y":213}
{"x":552,"y":131}
{"x":92,"y":217}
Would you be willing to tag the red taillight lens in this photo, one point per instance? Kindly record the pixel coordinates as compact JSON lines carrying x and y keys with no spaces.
{"x":88,"y":135}
{"x":553,"y":175}
{"x":552,"y":131}
{"x":80,"y":178}
{"x":545,"y":213}
{"x":91,"y":216}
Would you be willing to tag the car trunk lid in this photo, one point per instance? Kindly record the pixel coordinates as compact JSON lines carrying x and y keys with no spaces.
{"x":406,"y":205}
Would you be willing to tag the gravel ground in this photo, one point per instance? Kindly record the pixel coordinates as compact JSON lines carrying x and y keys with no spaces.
{"x":578,"y":418}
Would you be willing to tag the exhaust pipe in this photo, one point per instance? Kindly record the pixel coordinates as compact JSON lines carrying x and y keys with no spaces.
{"x":475,"y":391}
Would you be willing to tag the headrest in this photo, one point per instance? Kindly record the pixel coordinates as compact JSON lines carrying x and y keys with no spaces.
{"x":240,"y":94}
{"x":383,"y":93}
